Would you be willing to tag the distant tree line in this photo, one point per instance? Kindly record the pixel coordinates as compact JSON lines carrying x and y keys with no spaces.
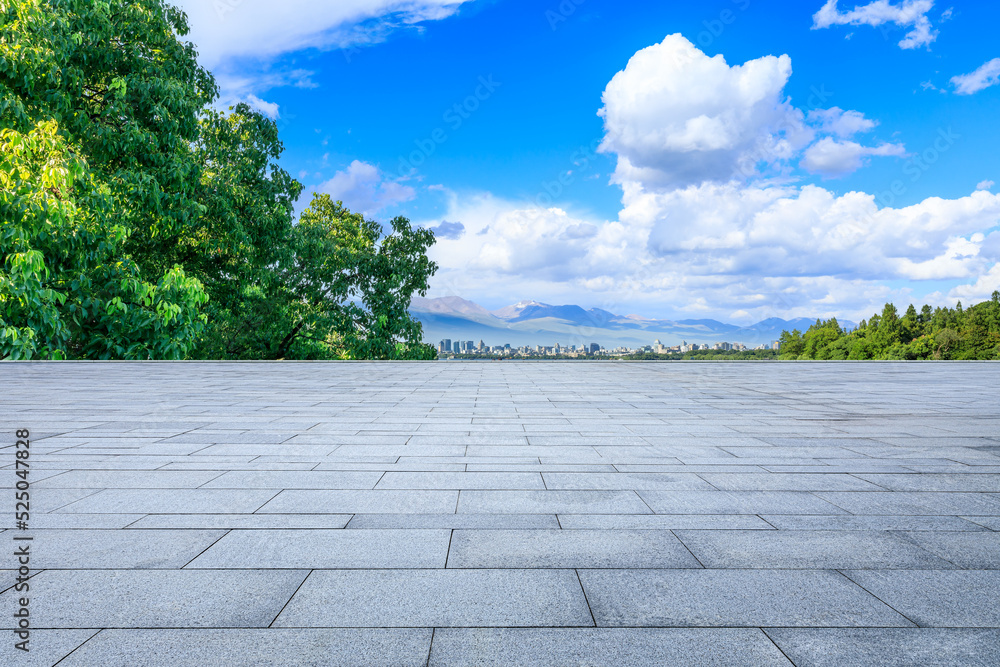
{"x":939,"y":333}
{"x":140,"y":222}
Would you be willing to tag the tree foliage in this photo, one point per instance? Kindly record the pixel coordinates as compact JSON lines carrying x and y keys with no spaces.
{"x":940,"y":333}
{"x":139,"y":222}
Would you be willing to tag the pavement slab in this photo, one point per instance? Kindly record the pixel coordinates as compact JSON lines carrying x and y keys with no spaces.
{"x":537,"y":513}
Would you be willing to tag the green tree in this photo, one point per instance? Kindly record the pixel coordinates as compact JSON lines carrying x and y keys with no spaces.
{"x":791,"y":345}
{"x":66,"y":290}
{"x":348,"y":286}
{"x":98,"y":105}
{"x":244,"y":234}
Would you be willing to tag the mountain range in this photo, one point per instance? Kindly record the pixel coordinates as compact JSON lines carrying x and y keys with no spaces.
{"x":534,"y":323}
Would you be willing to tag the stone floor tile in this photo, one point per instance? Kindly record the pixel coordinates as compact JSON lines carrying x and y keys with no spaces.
{"x":362,"y":502}
{"x":310,"y":549}
{"x":551,"y":502}
{"x":438,"y":598}
{"x":157,"y":599}
{"x":603,"y":647}
{"x":807,"y":549}
{"x":362,"y":647}
{"x":888,"y":647}
{"x":732,"y":598}
{"x":941,"y":599}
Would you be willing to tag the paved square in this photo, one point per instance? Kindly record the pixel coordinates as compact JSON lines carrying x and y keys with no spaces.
{"x":536,"y":513}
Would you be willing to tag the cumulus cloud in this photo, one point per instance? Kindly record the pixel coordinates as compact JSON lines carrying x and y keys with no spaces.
{"x":224,"y":29}
{"x":985,"y":185}
{"x":809,"y":231}
{"x":448,"y":230}
{"x":364,"y":188}
{"x":984,"y":77}
{"x":980,"y":290}
{"x":906,"y":14}
{"x":706,"y":238}
{"x":842,"y":123}
{"x":833,"y":158}
{"x":676,"y":116}
{"x":269,"y":109}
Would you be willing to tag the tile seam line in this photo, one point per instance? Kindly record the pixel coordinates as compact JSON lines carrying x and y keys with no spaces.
{"x":289,"y":600}
{"x":763,"y":631}
{"x":214,"y":542}
{"x":908,"y":619}
{"x":586,"y":599}
{"x":430,"y":648}
{"x":99,"y":631}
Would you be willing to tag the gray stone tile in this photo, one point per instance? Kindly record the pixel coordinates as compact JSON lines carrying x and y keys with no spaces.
{"x":170,"y":501}
{"x":610,"y":647}
{"x":972,"y":551}
{"x":45,"y":647}
{"x":401,"y":466}
{"x":567,"y":548}
{"x":737,"y":502}
{"x":154,"y":599}
{"x":118,"y":549}
{"x":988,"y":522}
{"x":361,"y":647}
{"x":913,"y":503}
{"x":663,"y":522}
{"x":128,"y":479}
{"x":455,"y":521}
{"x":551,"y":502}
{"x":732,"y":598}
{"x":887,"y":647}
{"x":937,"y":482}
{"x":849,"y":522}
{"x":309,"y":549}
{"x":243,"y":521}
{"x":943,"y":599}
{"x":54,"y":521}
{"x":624,"y":481}
{"x":362,"y":502}
{"x":803,"y":549}
{"x":538,"y":467}
{"x":461,"y":480}
{"x":438,"y":598}
{"x":787,"y":482}
{"x":267,"y":479}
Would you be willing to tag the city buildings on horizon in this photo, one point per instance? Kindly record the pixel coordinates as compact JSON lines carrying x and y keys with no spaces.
{"x":471,"y":348}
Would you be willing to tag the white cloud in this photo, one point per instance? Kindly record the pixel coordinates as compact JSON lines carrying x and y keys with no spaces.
{"x":842,"y":123}
{"x":832,"y":158}
{"x":908,"y":13}
{"x":269,"y":109}
{"x":260,"y":29}
{"x":709,"y":244}
{"x":365,"y":189}
{"x":676,"y":116}
{"x":984,"y":77}
{"x":985,"y":185}
{"x":981,"y":290}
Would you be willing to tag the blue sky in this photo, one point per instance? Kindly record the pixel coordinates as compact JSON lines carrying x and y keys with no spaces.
{"x":737,"y":159}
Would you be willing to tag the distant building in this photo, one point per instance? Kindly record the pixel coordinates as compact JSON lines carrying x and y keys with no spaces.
{"x":445,"y":345}
{"x":594,"y":348}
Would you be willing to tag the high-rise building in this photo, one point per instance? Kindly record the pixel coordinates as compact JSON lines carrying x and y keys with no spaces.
{"x":594,"y":348}
{"x":482,"y":345}
{"x":445,"y":345}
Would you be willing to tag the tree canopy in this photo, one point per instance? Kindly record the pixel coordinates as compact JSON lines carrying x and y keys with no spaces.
{"x":939,"y":333}
{"x":139,"y":222}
